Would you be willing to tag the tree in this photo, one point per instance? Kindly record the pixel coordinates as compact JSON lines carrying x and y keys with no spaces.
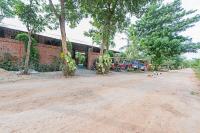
{"x":109,"y":17}
{"x":29,"y":13}
{"x":6,"y":8}
{"x":133,"y":50}
{"x":34,"y":53}
{"x":174,"y":62}
{"x":66,"y":11}
{"x":159,"y":30}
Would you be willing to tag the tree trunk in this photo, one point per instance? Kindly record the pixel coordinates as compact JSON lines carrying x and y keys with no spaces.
{"x":27,"y":58}
{"x":62,"y":27}
{"x":102,"y":47}
{"x":107,"y":46}
{"x":103,"y":41}
{"x":63,"y":35}
{"x":107,"y":38}
{"x":106,"y":35}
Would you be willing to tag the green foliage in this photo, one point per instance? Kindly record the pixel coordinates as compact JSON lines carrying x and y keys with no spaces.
{"x":111,"y":53}
{"x":70,"y":67}
{"x":9,"y":66}
{"x":186,"y":64}
{"x":34,"y":54}
{"x":158,"y":31}
{"x":189,"y":46}
{"x":175,"y":63}
{"x":109,"y":17}
{"x":72,"y":13}
{"x":195,"y":63}
{"x":45,"y":68}
{"x":59,"y":14}
{"x":8,"y":63}
{"x":103,"y":64}
{"x":196,"y":66}
{"x":197,"y":71}
{"x":134,"y":50}
{"x":100,"y":37}
{"x":122,"y":55}
{"x":6,"y":9}
{"x":30,"y":14}
{"x":80,"y":58}
{"x":54,"y":66}
{"x":69,"y":47}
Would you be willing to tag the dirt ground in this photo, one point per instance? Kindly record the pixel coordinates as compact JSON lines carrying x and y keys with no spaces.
{"x":117,"y":103}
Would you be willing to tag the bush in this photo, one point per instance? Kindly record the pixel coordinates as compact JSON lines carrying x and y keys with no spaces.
{"x":80,"y":58}
{"x":9,"y":63}
{"x":103,"y":64}
{"x":68,"y":65}
{"x":197,"y":72}
{"x":111,"y":53}
{"x":195,"y":63}
{"x":9,"y":66}
{"x":46,"y":68}
{"x":55,"y":66}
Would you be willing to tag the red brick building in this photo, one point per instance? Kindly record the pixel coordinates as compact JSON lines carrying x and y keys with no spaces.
{"x":48,"y":47}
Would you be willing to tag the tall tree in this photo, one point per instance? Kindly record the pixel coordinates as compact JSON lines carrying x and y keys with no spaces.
{"x":29,"y":13}
{"x":110,"y":16}
{"x":133,"y":50}
{"x":62,"y":12}
{"x":159,"y":30}
{"x":6,"y":8}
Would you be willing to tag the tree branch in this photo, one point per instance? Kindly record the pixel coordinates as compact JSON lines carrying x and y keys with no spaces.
{"x":53,"y":9}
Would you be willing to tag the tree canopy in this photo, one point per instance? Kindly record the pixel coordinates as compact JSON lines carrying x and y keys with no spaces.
{"x":6,"y":9}
{"x":70,"y":11}
{"x":159,"y":30}
{"x":30,"y":13}
{"x":109,"y":17}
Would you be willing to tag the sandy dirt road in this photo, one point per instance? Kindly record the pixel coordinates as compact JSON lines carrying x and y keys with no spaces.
{"x":118,"y":103}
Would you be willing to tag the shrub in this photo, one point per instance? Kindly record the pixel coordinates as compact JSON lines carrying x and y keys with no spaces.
{"x":68,"y":65}
{"x":47,"y":68}
{"x":9,"y":63}
{"x":111,"y":53}
{"x":103,"y":64}
{"x":80,"y":58}
{"x":54,"y":66}
{"x":9,"y":66}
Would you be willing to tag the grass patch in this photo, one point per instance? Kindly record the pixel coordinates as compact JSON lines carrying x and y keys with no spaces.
{"x":194,"y":93}
{"x":197,"y":72}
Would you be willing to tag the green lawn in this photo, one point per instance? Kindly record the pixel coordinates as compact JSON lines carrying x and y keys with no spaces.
{"x":197,"y":71}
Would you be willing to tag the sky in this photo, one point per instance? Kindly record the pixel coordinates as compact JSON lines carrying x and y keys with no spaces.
{"x":77,"y":34}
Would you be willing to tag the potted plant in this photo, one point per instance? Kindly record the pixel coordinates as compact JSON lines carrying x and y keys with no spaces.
{"x":80,"y":59}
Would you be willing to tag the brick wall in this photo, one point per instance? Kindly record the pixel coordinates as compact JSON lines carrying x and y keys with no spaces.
{"x":48,"y":53}
{"x":15,"y":48}
{"x":92,"y":56}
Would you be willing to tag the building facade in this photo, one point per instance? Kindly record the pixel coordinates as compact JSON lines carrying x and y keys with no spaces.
{"x":49,"y":48}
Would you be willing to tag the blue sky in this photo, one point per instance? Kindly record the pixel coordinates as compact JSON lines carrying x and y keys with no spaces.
{"x":77,"y":33}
